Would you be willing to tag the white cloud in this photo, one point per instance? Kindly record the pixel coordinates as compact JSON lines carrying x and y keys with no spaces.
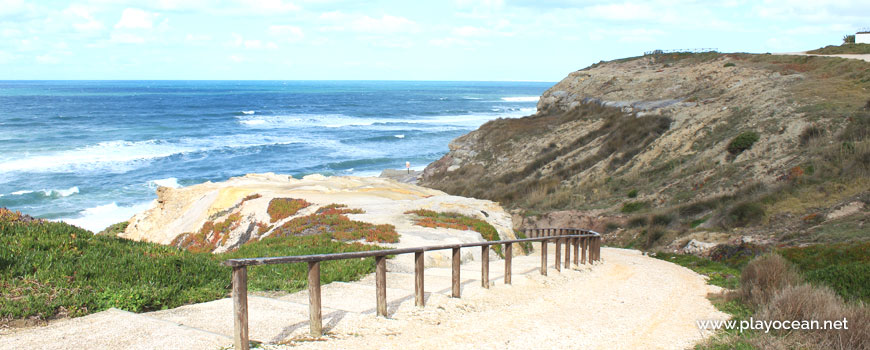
{"x":197,"y":37}
{"x":267,"y":6}
{"x":366,"y":24}
{"x":133,"y":18}
{"x":47,"y":59}
{"x":287,"y":33}
{"x":126,"y":38}
{"x":236,"y":58}
{"x":637,"y":35}
{"x":470,"y":31}
{"x":5,"y":57}
{"x":83,"y":21}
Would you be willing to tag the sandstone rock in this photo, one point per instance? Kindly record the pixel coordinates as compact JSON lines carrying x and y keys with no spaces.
{"x":385,"y":201}
{"x":697,"y":247}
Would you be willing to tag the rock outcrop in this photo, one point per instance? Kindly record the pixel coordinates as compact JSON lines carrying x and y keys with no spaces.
{"x":241,"y":205}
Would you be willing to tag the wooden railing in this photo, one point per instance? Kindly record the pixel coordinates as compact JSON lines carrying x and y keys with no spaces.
{"x":584,"y":242}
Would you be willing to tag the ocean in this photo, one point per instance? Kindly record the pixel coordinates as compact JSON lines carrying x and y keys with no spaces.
{"x":92,"y":153}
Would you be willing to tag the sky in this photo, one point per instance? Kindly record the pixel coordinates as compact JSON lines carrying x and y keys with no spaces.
{"x":497,"y":40}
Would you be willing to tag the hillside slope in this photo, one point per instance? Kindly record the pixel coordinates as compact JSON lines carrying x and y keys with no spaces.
{"x":682,"y":141}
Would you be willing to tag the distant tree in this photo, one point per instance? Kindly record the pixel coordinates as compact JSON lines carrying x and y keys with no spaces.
{"x":849,"y":39}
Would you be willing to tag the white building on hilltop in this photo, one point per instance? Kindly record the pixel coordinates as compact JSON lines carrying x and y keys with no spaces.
{"x":863,"y":36}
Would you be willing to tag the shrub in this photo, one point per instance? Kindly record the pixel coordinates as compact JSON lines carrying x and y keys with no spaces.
{"x":662,"y":220}
{"x":631,"y":207}
{"x":849,"y":39}
{"x":653,"y":237}
{"x":632,"y":194}
{"x":115,"y":229}
{"x":811,"y":132}
{"x":729,"y":64}
{"x":742,"y":142}
{"x":282,"y":208}
{"x":744,"y":214}
{"x":637,"y":221}
{"x":764,"y":276}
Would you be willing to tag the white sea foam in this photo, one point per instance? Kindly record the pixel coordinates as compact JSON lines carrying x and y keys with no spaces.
{"x":253,"y":122}
{"x":248,"y":112}
{"x":167,"y":182}
{"x":18,"y":193}
{"x":100,"y":217}
{"x":521,"y":99}
{"x":470,"y":98}
{"x":400,"y":136}
{"x":61,"y":193}
{"x":121,"y":156}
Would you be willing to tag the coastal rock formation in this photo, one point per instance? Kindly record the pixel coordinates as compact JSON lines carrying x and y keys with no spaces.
{"x":228,"y":214}
{"x":657,"y":146}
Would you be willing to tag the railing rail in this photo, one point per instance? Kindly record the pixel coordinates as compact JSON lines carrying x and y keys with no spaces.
{"x":585,"y":243}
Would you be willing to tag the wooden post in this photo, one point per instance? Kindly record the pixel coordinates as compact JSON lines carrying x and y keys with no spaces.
{"x":484,"y":268}
{"x":558,"y":254}
{"x":456,"y":262}
{"x":576,"y":244}
{"x":508,"y":255}
{"x":315,"y":322}
{"x":583,"y":246}
{"x":418,"y":279}
{"x":381,"y":284}
{"x":598,"y":248}
{"x":567,"y":253}
{"x":544,"y":258}
{"x":240,"y":308}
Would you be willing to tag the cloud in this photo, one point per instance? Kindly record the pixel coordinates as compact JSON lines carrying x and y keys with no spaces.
{"x":266,"y":6}
{"x":83,"y":21}
{"x":126,"y":38}
{"x":133,"y":18}
{"x":197,"y":37}
{"x":637,"y":35}
{"x":47,"y":59}
{"x":287,"y":32}
{"x":365,"y":24}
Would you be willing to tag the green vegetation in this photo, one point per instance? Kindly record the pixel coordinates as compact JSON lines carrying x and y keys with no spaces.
{"x":849,"y":39}
{"x":631,"y":207}
{"x":848,"y":48}
{"x":50,"y":270}
{"x":115,"y":229}
{"x":210,"y":236}
{"x":429,"y":218}
{"x":282,"y":208}
{"x":632,"y":193}
{"x":729,"y":64}
{"x":843,"y":267}
{"x":331,"y":221}
{"x":720,"y":274}
{"x":742,"y":142}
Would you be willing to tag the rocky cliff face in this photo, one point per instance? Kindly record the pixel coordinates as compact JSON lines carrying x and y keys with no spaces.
{"x":659,"y":132}
{"x":228,"y":214}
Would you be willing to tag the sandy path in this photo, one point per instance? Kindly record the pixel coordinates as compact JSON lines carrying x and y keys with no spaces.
{"x":628,"y":302}
{"x":864,"y":57}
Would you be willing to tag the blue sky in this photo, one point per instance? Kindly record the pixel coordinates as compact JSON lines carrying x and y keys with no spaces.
{"x":541,"y":40}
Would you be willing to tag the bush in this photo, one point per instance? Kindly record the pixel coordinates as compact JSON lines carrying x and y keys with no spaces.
{"x":849,"y":39}
{"x":662,"y":220}
{"x":742,"y":142}
{"x":632,"y":194}
{"x":764,"y":276}
{"x":631,"y":207}
{"x":637,"y":221}
{"x":744,"y":214}
{"x":729,"y":64}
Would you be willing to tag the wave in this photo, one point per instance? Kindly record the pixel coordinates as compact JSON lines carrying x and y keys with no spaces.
{"x":400,"y":136}
{"x":61,"y":193}
{"x":467,"y":120}
{"x":98,"y":218}
{"x":18,"y":193}
{"x":121,"y":156}
{"x":521,"y":99}
{"x":167,"y":182}
{"x":248,"y":112}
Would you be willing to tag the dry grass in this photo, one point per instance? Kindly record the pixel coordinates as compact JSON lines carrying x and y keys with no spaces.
{"x":765,"y":276}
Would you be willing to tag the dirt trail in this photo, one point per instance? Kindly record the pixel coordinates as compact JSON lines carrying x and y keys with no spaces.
{"x":628,"y":302}
{"x":864,"y":57}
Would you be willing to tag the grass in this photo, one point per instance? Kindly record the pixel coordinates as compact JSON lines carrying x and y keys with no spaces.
{"x":429,"y":218}
{"x":51,"y":270}
{"x":718,"y":273}
{"x":850,"y":48}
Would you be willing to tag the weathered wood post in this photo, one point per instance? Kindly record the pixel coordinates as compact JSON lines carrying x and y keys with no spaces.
{"x":576,"y":244}
{"x":544,"y":257}
{"x":484,"y":266}
{"x":381,"y":284}
{"x":315,"y":322}
{"x":418,"y":279}
{"x":456,"y":262}
{"x":567,"y":253}
{"x":558,"y":263}
{"x":240,"y":308}
{"x":583,"y":246}
{"x":508,"y":255}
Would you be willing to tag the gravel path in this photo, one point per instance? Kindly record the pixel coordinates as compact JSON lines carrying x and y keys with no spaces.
{"x":628,"y":302}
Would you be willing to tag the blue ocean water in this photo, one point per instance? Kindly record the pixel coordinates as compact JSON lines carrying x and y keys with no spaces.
{"x":92,"y":153}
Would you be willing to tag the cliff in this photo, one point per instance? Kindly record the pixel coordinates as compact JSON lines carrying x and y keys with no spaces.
{"x":688,"y":137}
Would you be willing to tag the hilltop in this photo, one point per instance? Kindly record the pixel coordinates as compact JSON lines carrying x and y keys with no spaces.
{"x":660,"y":149}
